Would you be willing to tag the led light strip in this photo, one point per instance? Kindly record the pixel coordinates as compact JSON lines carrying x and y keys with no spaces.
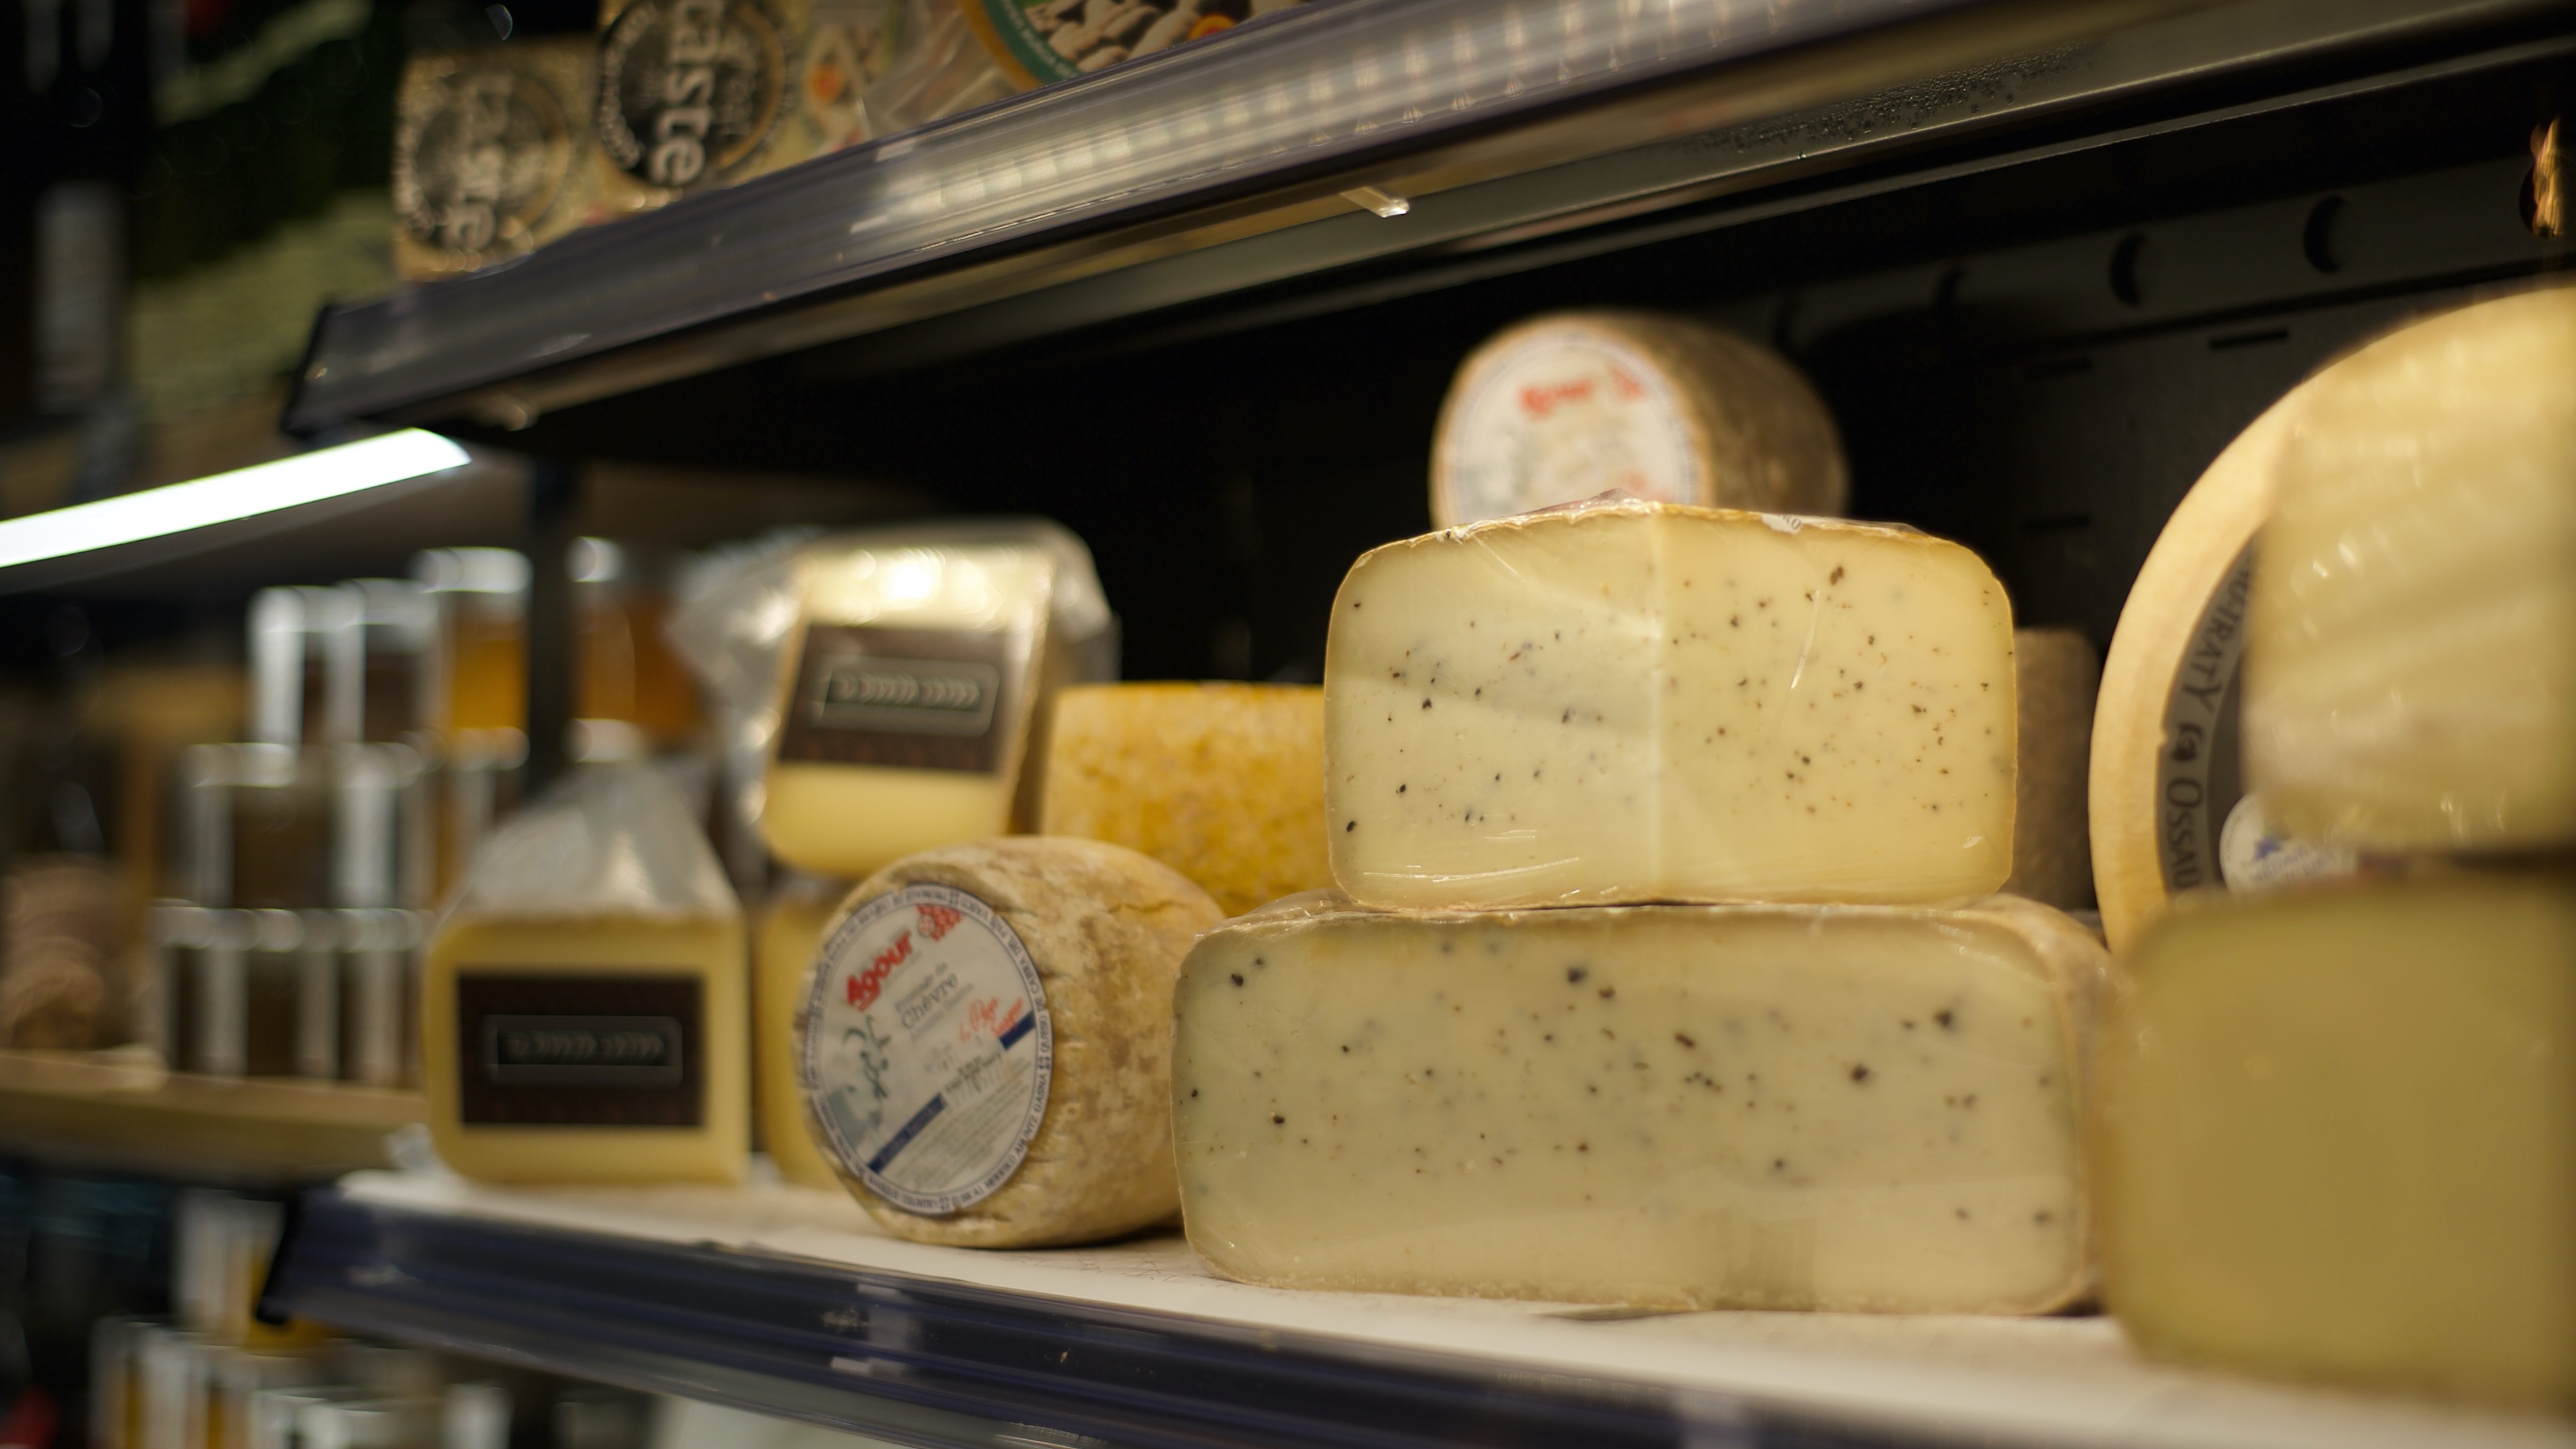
{"x":324,"y":473}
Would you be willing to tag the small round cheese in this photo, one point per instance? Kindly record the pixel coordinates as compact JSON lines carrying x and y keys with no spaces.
{"x":984,"y":1049}
{"x":1573,"y":404}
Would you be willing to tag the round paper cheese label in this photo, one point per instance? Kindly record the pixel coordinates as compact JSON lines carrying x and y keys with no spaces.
{"x":480,"y":155}
{"x":689,"y":90}
{"x":927,"y":1048}
{"x":1561,"y":418}
{"x":2253,"y":856}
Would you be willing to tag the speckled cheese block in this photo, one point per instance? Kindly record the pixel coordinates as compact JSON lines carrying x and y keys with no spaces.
{"x":2410,"y":674}
{"x":2337,"y":1136}
{"x":1105,"y":930}
{"x":1625,"y":701}
{"x":2056,"y":676}
{"x":1849,"y":1108}
{"x":1222,"y":782}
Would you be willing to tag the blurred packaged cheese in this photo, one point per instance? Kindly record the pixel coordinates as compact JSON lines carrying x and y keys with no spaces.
{"x":492,"y":154}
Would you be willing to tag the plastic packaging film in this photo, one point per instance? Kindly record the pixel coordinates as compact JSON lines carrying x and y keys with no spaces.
{"x":2411,"y":637}
{"x":1629,"y":701}
{"x":1761,"y":1106}
{"x":913,"y":697}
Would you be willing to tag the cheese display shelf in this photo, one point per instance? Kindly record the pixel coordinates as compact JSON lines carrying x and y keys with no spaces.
{"x":1325,"y":138}
{"x":124,"y":1111}
{"x":787,"y":1301}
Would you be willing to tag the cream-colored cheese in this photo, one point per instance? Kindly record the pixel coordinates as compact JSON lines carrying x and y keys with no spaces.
{"x":2338,"y":1136}
{"x":1572,"y":404}
{"x":1629,"y":701}
{"x":1222,"y":782}
{"x":1865,"y":1108}
{"x":1031,"y":974}
{"x":2056,"y":675}
{"x":2411,"y":641}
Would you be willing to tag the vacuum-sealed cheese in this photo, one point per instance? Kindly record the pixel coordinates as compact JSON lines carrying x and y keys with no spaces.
{"x":2411,"y":637}
{"x":1222,"y":782}
{"x":2338,"y":1136}
{"x":915,"y":689}
{"x":1629,"y":701}
{"x":583,"y":998}
{"x":984,"y":1047}
{"x":1571,"y":404}
{"x":1833,"y":1107}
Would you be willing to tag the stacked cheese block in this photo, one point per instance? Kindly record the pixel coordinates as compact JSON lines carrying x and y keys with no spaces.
{"x":1664,"y":969}
{"x":2339,"y":1127}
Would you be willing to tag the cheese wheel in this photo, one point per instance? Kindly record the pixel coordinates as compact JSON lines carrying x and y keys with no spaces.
{"x":791,"y":926}
{"x":1222,"y":782}
{"x":2056,"y":674}
{"x":2411,"y":643}
{"x":2164,"y":768}
{"x":1572,"y":404}
{"x":984,"y":1050}
{"x":1835,"y":1107}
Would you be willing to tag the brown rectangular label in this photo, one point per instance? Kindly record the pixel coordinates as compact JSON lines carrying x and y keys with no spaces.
{"x":923,"y":699}
{"x":580,"y":1050}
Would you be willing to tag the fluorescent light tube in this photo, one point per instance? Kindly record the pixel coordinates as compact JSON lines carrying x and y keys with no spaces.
{"x":243,"y":493}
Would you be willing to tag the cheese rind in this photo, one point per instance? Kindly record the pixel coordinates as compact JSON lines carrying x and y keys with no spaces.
{"x":1627,"y":701}
{"x":1863,"y":1108}
{"x":1568,"y":405}
{"x":2056,"y":675}
{"x":1105,"y":929}
{"x":2411,"y":641}
{"x":791,"y":927}
{"x":2337,"y":1136}
{"x":1222,"y":782}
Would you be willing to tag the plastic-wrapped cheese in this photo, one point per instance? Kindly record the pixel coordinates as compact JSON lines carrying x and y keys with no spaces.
{"x":1222,"y":782}
{"x":1834,"y":1107}
{"x":985,"y":1043}
{"x":916,"y":686}
{"x":1626,"y":701}
{"x":2411,"y":640}
{"x":2338,"y":1136}
{"x":1571,"y":404}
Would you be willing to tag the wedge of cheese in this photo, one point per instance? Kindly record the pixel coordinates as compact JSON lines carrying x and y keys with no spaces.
{"x":2411,"y":639}
{"x":1865,"y":1108}
{"x":1222,"y":782}
{"x":1628,"y":701}
{"x":2338,"y":1136}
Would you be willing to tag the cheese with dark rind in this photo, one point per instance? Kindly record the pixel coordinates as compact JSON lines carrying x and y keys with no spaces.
{"x":2337,"y":1136}
{"x":2056,"y":675}
{"x":1855,"y":1108}
{"x":1568,"y":405}
{"x":1222,"y":782}
{"x":1627,"y":701}
{"x":1105,"y":929}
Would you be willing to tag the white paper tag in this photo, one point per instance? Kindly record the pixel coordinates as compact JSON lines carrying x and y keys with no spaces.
{"x":928,"y":1048}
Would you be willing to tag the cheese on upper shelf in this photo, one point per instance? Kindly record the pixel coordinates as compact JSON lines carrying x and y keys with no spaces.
{"x":1831,"y":1107}
{"x":2338,"y":1136}
{"x":1628,"y":701}
{"x":2411,"y":640}
{"x":916,"y":685}
{"x":1571,"y":404}
{"x":1222,"y":782}
{"x":984,"y":1048}
{"x":492,"y":153}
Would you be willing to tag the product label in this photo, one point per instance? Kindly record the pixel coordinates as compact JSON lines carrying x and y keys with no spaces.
{"x":849,"y":44}
{"x":924,"y":699}
{"x":1562,"y":419}
{"x":1047,"y":40}
{"x":689,"y":90}
{"x":2254,"y":856}
{"x":579,"y":1050}
{"x":927,"y":1048}
{"x":480,"y":155}
{"x":2197,"y":782}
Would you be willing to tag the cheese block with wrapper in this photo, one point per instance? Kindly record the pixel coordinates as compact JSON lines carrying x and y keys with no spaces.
{"x":911,"y":711}
{"x":1864,"y":1108}
{"x":985,"y":1042}
{"x":583,"y":998}
{"x":1628,"y":701}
